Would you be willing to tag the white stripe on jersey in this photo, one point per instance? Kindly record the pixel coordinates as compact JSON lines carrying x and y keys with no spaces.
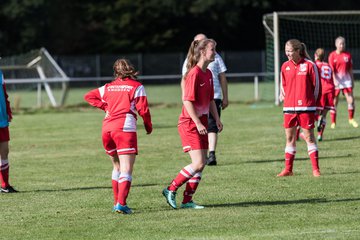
{"x":130,"y":123}
{"x":140,"y":92}
{"x":125,"y":150}
{"x":102,"y":92}
{"x":299,"y":109}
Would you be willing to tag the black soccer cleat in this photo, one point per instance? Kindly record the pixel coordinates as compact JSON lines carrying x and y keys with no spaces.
{"x":211,"y":161}
{"x":8,"y":189}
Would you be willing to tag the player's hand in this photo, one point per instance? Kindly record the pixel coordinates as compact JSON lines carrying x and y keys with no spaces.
{"x":281,"y":97}
{"x":219,"y":126}
{"x":225,"y":103}
{"x":148,"y":128}
{"x":201,"y":129}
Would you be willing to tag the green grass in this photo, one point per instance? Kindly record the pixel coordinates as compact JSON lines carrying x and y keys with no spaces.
{"x":64,"y":178}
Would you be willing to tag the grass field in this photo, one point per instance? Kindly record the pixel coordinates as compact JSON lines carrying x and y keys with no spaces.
{"x":64,"y":178}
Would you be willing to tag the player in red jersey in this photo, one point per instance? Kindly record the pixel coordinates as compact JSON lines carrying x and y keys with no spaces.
{"x":326,"y":102}
{"x":5,"y":118}
{"x":198,"y":100}
{"x":300,"y":89}
{"x":121,"y":99}
{"x":342,"y":66}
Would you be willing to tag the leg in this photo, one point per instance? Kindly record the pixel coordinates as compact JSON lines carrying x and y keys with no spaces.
{"x":213,"y":134}
{"x":4,"y":168}
{"x":333,"y":112}
{"x":212,"y":147}
{"x":312,"y":151}
{"x":115,"y":176}
{"x":126,"y":168}
{"x":290,"y":151}
{"x":193,"y":182}
{"x":351,"y":108}
{"x":322,"y":124}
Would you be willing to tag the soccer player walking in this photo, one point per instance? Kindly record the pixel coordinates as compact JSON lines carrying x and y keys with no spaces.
{"x":5,"y":118}
{"x":120,"y":100}
{"x":300,"y":90}
{"x":342,"y":66}
{"x":326,"y":102}
{"x":218,"y":69}
{"x":198,"y":100}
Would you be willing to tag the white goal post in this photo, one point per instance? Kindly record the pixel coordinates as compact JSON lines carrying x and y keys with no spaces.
{"x":36,"y":67}
{"x":316,"y":29}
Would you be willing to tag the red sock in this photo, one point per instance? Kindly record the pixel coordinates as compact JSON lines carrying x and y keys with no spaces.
{"x":351,"y":111}
{"x":313,"y":153}
{"x":124,"y":188}
{"x":4,"y":173}
{"x":191,"y":187}
{"x":333,"y":116}
{"x":115,"y":184}
{"x":185,"y":174}
{"x":289,"y":157}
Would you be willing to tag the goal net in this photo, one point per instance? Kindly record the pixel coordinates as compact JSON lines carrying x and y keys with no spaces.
{"x":315,"y":29}
{"x":35,"y":71}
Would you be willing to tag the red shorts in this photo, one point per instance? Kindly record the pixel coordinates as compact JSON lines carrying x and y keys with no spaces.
{"x":344,"y":90}
{"x":121,"y":143}
{"x":304,"y":120}
{"x":327,"y":101}
{"x":4,"y":134}
{"x":190,"y":137}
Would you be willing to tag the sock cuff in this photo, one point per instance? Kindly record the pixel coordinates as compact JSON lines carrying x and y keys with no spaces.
{"x":312,"y":147}
{"x":189,"y":169}
{"x":290,"y":149}
{"x":125,"y":177}
{"x":115,"y":175}
{"x":350,"y":106}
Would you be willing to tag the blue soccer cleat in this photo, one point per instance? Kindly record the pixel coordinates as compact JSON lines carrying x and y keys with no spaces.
{"x":122,"y":209}
{"x":192,"y":205}
{"x":170,"y":197}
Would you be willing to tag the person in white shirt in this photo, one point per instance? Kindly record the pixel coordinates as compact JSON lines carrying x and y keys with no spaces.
{"x":218,"y":69}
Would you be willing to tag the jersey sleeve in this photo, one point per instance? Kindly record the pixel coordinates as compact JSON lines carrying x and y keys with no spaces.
{"x":95,"y":98}
{"x":8,"y":108}
{"x":190,"y":87}
{"x":142,"y":107}
{"x":315,"y":78}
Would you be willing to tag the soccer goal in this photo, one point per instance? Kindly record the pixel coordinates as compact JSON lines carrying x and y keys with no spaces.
{"x":315,"y":29}
{"x":36,"y":70}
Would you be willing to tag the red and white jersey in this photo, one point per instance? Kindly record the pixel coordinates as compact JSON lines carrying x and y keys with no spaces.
{"x":199,"y":90}
{"x":325,"y":72}
{"x":341,"y":64}
{"x":300,"y":85}
{"x":121,"y":99}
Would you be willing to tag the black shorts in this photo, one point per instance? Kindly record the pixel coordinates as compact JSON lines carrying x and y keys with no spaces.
{"x":212,"y":123}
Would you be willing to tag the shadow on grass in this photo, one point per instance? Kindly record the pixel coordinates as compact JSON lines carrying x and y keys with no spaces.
{"x":296,"y":159}
{"x":341,"y":139}
{"x":83,"y":188}
{"x":285,"y":202}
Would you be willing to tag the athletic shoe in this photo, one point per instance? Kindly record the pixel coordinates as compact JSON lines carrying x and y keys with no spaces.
{"x":353,"y":123}
{"x":122,"y":209}
{"x":285,"y":173}
{"x":8,"y":189}
{"x":170,"y":197}
{"x":316,"y":173}
{"x":192,"y":205}
{"x":319,"y":138}
{"x":211,"y":161}
{"x":333,"y":125}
